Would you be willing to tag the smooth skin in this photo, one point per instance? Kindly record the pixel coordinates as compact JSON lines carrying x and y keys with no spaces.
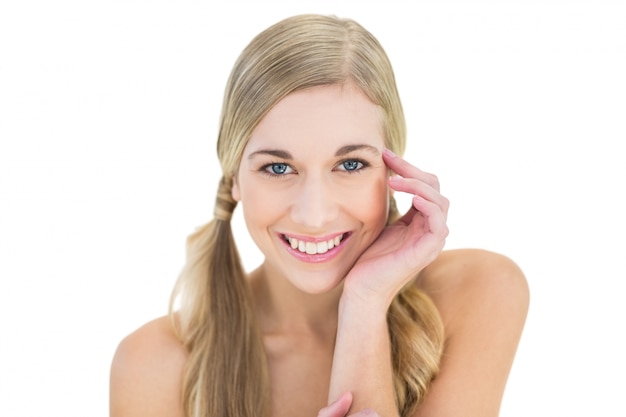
{"x":322,"y":321}
{"x":482,"y":297}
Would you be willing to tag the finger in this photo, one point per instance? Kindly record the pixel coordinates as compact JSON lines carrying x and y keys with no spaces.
{"x":431,"y":229}
{"x":434,"y":218}
{"x":338,"y":408}
{"x":417,"y":187}
{"x":405,"y":169}
{"x":431,"y":219}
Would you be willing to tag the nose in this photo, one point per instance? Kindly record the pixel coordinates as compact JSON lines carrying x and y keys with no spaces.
{"x":315,"y":203}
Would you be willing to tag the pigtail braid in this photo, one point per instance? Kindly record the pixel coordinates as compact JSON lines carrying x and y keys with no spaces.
{"x":218,"y":325}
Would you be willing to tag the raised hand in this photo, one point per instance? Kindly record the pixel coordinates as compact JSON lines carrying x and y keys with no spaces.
{"x":409,"y":244}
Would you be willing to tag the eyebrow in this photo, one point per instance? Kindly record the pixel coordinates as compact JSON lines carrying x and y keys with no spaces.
{"x":274,"y":152}
{"x":344,"y":150}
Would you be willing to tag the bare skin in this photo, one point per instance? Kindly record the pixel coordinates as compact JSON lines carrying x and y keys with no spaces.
{"x":322,"y":311}
{"x":483,"y":299}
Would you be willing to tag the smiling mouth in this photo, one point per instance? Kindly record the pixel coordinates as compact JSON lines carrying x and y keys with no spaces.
{"x":313,"y":248}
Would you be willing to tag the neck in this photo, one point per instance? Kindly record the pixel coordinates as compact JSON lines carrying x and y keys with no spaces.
{"x":281,"y":307}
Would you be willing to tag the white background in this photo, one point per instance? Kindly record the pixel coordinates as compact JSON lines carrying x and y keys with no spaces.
{"x":108,"y":120}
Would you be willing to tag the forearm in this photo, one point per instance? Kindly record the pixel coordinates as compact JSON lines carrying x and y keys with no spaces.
{"x":362,"y":358}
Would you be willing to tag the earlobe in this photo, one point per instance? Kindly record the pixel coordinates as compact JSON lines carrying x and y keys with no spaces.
{"x":234,"y":192}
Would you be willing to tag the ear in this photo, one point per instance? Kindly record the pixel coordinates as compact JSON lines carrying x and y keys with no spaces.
{"x":234,"y":191}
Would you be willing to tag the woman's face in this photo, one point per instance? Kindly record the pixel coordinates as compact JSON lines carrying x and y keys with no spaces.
{"x":313,"y":185}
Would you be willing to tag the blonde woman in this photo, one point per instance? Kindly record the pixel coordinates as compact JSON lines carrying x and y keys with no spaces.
{"x":356,"y":310}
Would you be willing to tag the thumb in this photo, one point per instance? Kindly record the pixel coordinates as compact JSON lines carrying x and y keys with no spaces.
{"x":338,"y":408}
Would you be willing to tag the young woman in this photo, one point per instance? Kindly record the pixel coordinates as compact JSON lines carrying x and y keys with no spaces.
{"x":355,"y":309}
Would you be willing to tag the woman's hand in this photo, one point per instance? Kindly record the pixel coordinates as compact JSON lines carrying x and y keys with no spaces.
{"x":401,"y":250}
{"x":406,"y":246}
{"x":341,"y":406}
{"x":338,"y":408}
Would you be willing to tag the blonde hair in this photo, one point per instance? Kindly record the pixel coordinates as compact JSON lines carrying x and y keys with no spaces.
{"x":226,"y":373}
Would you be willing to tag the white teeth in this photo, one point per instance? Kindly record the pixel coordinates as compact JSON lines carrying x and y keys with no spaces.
{"x":313,"y":248}
{"x":322,"y":247}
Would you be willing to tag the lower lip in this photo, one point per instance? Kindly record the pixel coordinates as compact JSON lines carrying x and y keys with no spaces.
{"x":318,"y":257}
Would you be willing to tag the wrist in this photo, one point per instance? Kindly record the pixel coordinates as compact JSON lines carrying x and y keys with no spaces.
{"x":364,"y":298}
{"x":364,"y":308}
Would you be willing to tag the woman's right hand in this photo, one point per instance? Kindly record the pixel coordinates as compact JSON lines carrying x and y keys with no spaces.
{"x":341,"y":406}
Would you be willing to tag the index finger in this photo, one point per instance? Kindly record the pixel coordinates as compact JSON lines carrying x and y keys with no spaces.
{"x":406,"y":170}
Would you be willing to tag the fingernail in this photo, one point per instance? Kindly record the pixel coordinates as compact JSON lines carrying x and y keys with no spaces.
{"x":388,"y":152}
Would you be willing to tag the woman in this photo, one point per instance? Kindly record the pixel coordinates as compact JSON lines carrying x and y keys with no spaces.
{"x":355,"y":309}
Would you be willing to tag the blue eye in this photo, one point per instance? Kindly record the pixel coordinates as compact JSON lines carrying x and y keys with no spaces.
{"x":352,"y":165}
{"x":277,"y":168}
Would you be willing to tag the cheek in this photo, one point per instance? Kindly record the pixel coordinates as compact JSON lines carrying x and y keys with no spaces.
{"x":257,"y":210}
{"x":370,"y":201}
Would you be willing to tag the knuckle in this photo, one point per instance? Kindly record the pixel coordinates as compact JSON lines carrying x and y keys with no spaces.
{"x":433,"y":180}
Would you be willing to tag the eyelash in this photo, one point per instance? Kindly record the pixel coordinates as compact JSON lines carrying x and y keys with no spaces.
{"x":364,"y":164}
{"x":266,"y":169}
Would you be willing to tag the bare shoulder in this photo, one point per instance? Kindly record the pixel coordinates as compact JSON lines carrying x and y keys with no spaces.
{"x":146,"y":372}
{"x":483,"y":298}
{"x":467,"y":276}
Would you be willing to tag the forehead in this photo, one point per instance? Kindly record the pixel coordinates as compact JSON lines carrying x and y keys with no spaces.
{"x":324,"y":116}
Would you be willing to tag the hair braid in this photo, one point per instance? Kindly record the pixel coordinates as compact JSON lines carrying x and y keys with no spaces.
{"x":224,"y":202}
